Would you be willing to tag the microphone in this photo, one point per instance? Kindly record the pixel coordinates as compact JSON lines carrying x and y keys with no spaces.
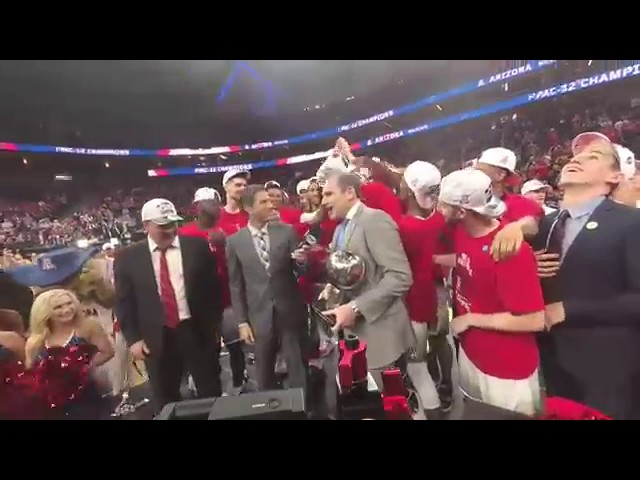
{"x":308,"y":241}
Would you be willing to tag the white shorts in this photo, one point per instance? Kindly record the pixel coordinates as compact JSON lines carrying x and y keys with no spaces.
{"x":521,"y":396}
{"x":419,"y":373}
{"x":421,"y":331}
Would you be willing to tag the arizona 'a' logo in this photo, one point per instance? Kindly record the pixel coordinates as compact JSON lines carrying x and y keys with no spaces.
{"x":47,"y":265}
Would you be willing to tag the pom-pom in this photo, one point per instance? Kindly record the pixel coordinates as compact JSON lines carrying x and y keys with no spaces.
{"x":20,"y":393}
{"x":63,"y":374}
{"x":562,"y":409}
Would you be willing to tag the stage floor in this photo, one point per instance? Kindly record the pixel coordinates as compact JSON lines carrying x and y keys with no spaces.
{"x":145,"y":413}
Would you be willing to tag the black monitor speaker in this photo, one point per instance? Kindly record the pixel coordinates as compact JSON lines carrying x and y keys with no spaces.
{"x":187,"y":410}
{"x":274,"y":405}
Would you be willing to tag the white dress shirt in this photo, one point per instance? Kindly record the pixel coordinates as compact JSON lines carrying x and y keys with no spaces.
{"x":176,"y":273}
{"x":352,"y":211}
{"x":347,"y":226}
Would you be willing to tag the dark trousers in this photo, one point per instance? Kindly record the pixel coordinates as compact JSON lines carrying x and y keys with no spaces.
{"x":237,"y":363}
{"x":185,"y":349}
{"x":234,"y":346}
{"x":440,"y":361}
{"x":288,"y":341}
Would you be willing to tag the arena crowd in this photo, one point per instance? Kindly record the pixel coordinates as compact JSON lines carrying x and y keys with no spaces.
{"x":490,"y":242}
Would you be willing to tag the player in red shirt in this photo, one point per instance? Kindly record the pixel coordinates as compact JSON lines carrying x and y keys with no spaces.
{"x":378,"y":195}
{"x":420,"y":230}
{"x":289,"y":215}
{"x":232,"y":216}
{"x":498,"y":304}
{"x":207,"y":225}
{"x":499,"y":164}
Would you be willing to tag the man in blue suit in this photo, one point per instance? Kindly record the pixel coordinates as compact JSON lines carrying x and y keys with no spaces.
{"x":589,"y":264}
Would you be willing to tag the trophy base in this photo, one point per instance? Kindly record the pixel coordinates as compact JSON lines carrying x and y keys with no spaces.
{"x":363,"y":401}
{"x":127,"y":406}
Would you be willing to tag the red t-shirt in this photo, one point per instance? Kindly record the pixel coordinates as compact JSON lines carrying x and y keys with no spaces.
{"x":519,"y":206}
{"x":327,"y":228}
{"x":291,"y":216}
{"x":230,"y":223}
{"x":377,"y":195}
{"x":482,"y":285}
{"x":420,"y":238}
{"x":193,"y":230}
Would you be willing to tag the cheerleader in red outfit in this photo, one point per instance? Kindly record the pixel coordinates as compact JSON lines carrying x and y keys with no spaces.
{"x":12,"y":344}
{"x":58,"y":328}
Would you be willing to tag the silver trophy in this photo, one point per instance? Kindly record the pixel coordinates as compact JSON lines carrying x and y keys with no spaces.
{"x":345,"y":272}
{"x":126,"y":406}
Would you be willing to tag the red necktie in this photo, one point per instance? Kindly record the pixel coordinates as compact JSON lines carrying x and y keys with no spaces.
{"x":167,"y":294}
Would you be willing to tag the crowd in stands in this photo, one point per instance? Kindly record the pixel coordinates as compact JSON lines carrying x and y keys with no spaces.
{"x":541,"y":138}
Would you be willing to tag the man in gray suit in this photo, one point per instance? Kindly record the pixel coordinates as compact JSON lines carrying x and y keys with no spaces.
{"x":377,"y":314}
{"x":264,"y":289}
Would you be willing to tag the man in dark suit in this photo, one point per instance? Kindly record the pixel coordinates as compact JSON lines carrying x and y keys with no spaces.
{"x":264,"y":289}
{"x":168,"y":305}
{"x":589,"y":263}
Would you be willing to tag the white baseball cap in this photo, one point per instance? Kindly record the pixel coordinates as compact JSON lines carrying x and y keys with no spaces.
{"x":160,"y":211}
{"x":585,"y":139}
{"x":302,"y":186}
{"x":626,"y":157}
{"x":499,"y":157}
{"x":206,"y":193}
{"x":231,"y":174}
{"x":333,"y":164}
{"x":470,"y":164}
{"x":627,"y":161}
{"x":272,"y":184}
{"x":471,"y":190}
{"x":533,"y":186}
{"x":423,"y":178}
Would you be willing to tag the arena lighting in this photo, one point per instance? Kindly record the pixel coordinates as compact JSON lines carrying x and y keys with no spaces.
{"x":532,"y":66}
{"x":527,"y":98}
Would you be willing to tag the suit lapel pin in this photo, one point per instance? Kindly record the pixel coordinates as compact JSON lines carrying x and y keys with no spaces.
{"x":592,"y":225}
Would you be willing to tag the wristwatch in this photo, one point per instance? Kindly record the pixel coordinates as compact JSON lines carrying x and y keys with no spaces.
{"x":354,"y":307}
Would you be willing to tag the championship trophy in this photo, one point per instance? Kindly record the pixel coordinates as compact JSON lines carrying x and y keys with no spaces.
{"x":345,"y":272}
{"x":354,"y":396}
{"x":127,"y":406}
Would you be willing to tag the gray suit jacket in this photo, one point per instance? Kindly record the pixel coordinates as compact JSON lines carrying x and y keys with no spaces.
{"x":255,"y":294}
{"x":386,"y":327}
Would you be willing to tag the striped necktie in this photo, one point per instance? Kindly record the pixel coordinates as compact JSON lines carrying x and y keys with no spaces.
{"x":263,"y":251}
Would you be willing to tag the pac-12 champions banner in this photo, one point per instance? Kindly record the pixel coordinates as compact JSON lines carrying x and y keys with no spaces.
{"x":531,"y":66}
{"x":536,"y":96}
